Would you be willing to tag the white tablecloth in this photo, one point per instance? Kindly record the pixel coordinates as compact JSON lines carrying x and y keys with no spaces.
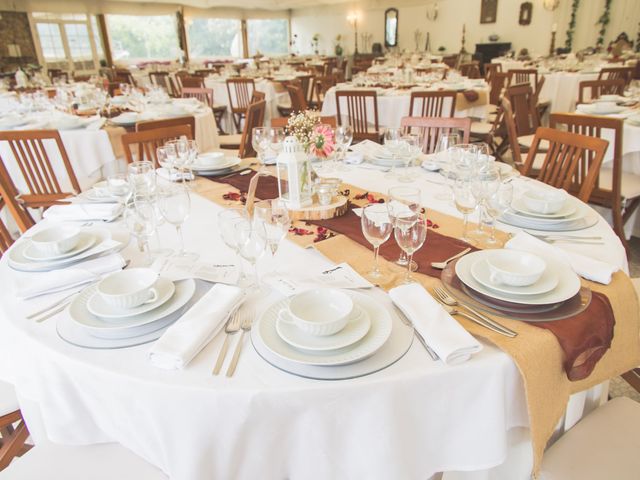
{"x":408,"y":421}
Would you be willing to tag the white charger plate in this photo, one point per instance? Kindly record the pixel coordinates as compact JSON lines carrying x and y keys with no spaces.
{"x":547,"y":281}
{"x":357,"y":327}
{"x":565,"y":213}
{"x":378,"y":334}
{"x":86,"y":241}
{"x":131,"y":326}
{"x":568,"y":281}
{"x":98,"y":307}
{"x":584,"y":217}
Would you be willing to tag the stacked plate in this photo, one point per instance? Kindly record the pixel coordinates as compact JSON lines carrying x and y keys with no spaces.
{"x":517,"y":284}
{"x":311,"y":333}
{"x":214,"y":164}
{"x":126,"y":308}
{"x":98,"y":193}
{"x":601,"y":108}
{"x":550,"y":210}
{"x":385,"y":158}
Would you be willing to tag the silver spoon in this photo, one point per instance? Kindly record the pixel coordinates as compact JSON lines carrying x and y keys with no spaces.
{"x":441,"y":265}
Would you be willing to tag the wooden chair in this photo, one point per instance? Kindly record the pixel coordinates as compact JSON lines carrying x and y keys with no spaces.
{"x":6,"y":240}
{"x":432,"y":104}
{"x":167,"y":123}
{"x":497,"y":84}
{"x":306,"y":86}
{"x":613,"y":73}
{"x":296,"y":95}
{"x":432,"y":128}
{"x":205,"y":95}
{"x":254,"y":118}
{"x":597,"y":88}
{"x":240,"y":99}
{"x":470,"y":70}
{"x":522,"y":100}
{"x":359,"y":104}
{"x":192,"y":82}
{"x":283,"y":121}
{"x":13,"y":430}
{"x":520,"y":76}
{"x":42,"y":186}
{"x":164,"y":80}
{"x":321,"y":85}
{"x":205,"y":72}
{"x":490,"y":69}
{"x":258,"y":96}
{"x":615,"y":189}
{"x":148,"y":141}
{"x":571,"y":163}
{"x":56,"y":73}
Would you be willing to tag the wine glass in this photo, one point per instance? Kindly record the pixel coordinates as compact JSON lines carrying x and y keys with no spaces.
{"x":260,"y":141}
{"x":343,"y":137}
{"x":404,"y":202}
{"x":483,"y":185}
{"x":410,"y":234}
{"x":465,"y":159}
{"x":118,"y":185}
{"x":274,"y":215}
{"x":496,"y":205}
{"x":413,"y":142}
{"x":465,"y":202}
{"x":140,"y":219}
{"x":445,"y":160}
{"x":251,"y":239}
{"x":395,"y":146}
{"x":174,"y":203}
{"x":376,"y":228}
{"x":142,"y":178}
{"x":276,"y":139}
{"x":227,"y":220}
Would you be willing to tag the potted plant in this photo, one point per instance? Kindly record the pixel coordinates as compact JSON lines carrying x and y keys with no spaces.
{"x":338,"y":48}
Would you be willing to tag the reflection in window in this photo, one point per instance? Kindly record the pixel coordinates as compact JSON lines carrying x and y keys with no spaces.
{"x":143,"y":37}
{"x":268,"y":36}
{"x":214,"y":37}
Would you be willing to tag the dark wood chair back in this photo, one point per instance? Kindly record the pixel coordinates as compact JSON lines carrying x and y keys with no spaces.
{"x":597,"y":88}
{"x":361,"y":111}
{"x":497,"y":84}
{"x":520,"y":76}
{"x":432,"y":128}
{"x":240,"y":91}
{"x":296,"y":95}
{"x":433,"y":104}
{"x":523,"y":102}
{"x":205,"y":95}
{"x":470,"y":70}
{"x":192,"y":82}
{"x":490,"y":69}
{"x":254,"y":118}
{"x":612,"y":73}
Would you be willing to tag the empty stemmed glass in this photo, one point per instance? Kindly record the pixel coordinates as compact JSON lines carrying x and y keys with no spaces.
{"x":376,"y":228}
{"x":276,"y":139}
{"x":413,"y":148}
{"x":142,"y":178}
{"x":484,"y":184}
{"x":174,"y":203}
{"x":140,"y":219}
{"x":445,"y":160}
{"x":394,"y":143}
{"x":410,"y":234}
{"x":343,"y":137}
{"x":260,"y":141}
{"x":274,"y":215}
{"x":251,"y":239}
{"x":403,"y":202}
{"x":227,"y":220}
{"x":466,"y":204}
{"x":496,"y":205}
{"x":118,"y":185}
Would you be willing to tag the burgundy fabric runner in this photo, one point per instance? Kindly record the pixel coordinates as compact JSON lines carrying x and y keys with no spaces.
{"x":584,"y":337}
{"x":470,"y":95}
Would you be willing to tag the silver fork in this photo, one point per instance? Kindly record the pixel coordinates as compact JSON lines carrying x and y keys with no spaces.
{"x":481,"y":319}
{"x":247,"y":321}
{"x":232,"y":326}
{"x":441,"y":265}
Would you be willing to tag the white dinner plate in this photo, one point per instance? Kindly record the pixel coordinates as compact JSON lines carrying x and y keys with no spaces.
{"x":568,"y":281}
{"x":374,"y":339}
{"x":565,"y":212}
{"x":131,"y":326}
{"x":86,"y":240}
{"x":357,"y":327}
{"x":547,"y":281}
{"x":592,"y":110}
{"x":584,"y":217}
{"x":126,"y":119}
{"x":228,"y":163}
{"x":98,"y":307}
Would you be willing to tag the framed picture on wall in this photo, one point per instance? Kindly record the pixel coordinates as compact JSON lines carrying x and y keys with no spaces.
{"x":488,"y":11}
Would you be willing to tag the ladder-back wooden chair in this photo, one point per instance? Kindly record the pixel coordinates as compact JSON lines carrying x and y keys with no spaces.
{"x":321,"y":86}
{"x":306,"y":86}
{"x":205,"y":95}
{"x":240,"y":91}
{"x":34,"y":173}
{"x":470,"y":70}
{"x":432,"y":128}
{"x":282,"y":122}
{"x":13,"y":429}
{"x":520,"y":76}
{"x":612,"y":73}
{"x":164,"y":80}
{"x":192,"y":82}
{"x":361,"y":108}
{"x":597,"y":88}
{"x":522,"y":100}
{"x":490,"y":69}
{"x":296,"y":95}
{"x":572,"y":162}
{"x":497,"y":84}
{"x":147,"y":141}
{"x":254,"y":118}
{"x":615,"y":189}
{"x":433,"y":104}
{"x":168,"y":122}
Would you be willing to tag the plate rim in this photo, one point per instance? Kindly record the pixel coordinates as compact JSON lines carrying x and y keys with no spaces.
{"x":471,"y":269}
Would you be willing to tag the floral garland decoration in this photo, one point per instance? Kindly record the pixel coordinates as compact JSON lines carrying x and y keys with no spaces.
{"x":572,"y":24}
{"x":638,"y":40}
{"x":603,"y":21}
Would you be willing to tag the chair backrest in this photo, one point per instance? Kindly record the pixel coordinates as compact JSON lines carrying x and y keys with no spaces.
{"x":360,"y":105}
{"x":164,"y":80}
{"x":432,"y":128}
{"x":148,"y":141}
{"x":298,"y":102}
{"x":490,"y":69}
{"x":572,"y":161}
{"x":432,"y":104}
{"x":258,"y":96}
{"x":242,"y":89}
{"x":450,"y":60}
{"x":519,"y":76}
{"x":34,"y":172}
{"x":512,"y":135}
{"x":192,"y":82}
{"x":497,"y":84}
{"x":306,"y":86}
{"x":5,"y":237}
{"x":254,"y":118}
{"x":283,"y":121}
{"x":470,"y":70}
{"x":523,"y":103}
{"x":612,"y":73}
{"x":166,"y":123}
{"x":597,"y":88}
{"x":322,"y":85}
{"x":594,"y":126}
{"x":205,"y":95}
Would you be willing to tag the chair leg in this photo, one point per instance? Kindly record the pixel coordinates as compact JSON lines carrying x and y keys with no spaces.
{"x":618,"y":227}
{"x":13,"y":445}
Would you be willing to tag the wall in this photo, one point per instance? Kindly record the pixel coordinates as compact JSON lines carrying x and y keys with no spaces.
{"x":446,"y":30}
{"x":14,"y":29}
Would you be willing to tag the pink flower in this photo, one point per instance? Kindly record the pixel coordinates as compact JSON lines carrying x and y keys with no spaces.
{"x":322,"y":141}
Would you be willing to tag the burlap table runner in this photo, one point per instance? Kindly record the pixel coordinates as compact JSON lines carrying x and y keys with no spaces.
{"x":536,"y":351}
{"x":115,"y":138}
{"x":462,"y":103}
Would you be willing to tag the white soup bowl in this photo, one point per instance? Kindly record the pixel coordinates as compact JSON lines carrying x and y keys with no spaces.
{"x":56,"y":240}
{"x":321,"y":311}
{"x":130,"y":288}
{"x":515,"y":268}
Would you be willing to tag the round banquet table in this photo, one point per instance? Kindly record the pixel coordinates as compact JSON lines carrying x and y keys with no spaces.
{"x":408,"y":421}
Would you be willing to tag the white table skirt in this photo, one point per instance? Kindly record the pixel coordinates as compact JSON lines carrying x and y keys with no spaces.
{"x":392,"y":108}
{"x":408,"y":421}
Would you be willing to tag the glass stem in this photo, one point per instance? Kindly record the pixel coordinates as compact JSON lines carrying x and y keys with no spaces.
{"x":147,"y":251}
{"x":181,"y":237}
{"x":410,"y":259}
{"x":376,"y":269}
{"x":465,"y":224}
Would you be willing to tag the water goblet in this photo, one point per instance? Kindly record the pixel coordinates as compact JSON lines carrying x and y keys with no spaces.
{"x":395,"y":145}
{"x":466,"y":204}
{"x":251,"y":239}
{"x":142,"y":178}
{"x":139,"y":217}
{"x":274,"y":215}
{"x":227,"y":220}
{"x":483,"y":185}
{"x":118,"y":185}
{"x":413,"y":143}
{"x":445,"y":159}
{"x":410,"y":234}
{"x":403,"y":202}
{"x":174,"y":203}
{"x":276,"y":139}
{"x":260,"y":141}
{"x":496,"y":205}
{"x":343,"y":137}
{"x":376,"y":228}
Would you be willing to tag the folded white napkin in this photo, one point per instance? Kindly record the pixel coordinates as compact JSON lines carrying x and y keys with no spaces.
{"x":173,"y":175}
{"x":354,"y":158}
{"x":84,"y":212}
{"x":34,"y":284}
{"x":441,"y":331}
{"x":369,"y":149}
{"x":184,"y":339}
{"x":586,"y":267}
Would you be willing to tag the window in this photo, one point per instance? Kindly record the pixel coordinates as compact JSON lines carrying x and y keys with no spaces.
{"x":214,"y":37}
{"x":268,"y":36}
{"x":51,"y":42}
{"x":96,"y":36}
{"x":143,"y":37}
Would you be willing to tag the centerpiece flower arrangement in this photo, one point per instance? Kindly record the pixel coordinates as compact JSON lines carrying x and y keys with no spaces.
{"x":316,"y":139}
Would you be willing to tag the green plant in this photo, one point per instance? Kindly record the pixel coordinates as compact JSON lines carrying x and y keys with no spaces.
{"x":572,"y":24}
{"x":603,"y":21}
{"x":441,"y":49}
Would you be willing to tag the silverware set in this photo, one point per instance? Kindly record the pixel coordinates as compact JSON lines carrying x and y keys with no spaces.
{"x":566,"y":238}
{"x":241,"y":321}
